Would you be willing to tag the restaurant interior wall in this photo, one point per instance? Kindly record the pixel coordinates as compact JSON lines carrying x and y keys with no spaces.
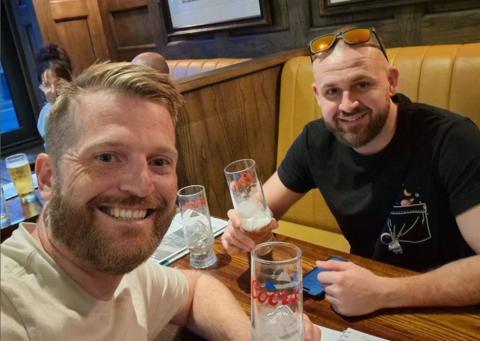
{"x":117,"y":30}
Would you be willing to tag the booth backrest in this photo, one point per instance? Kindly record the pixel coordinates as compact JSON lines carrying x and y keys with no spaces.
{"x":446,"y":76}
{"x":181,"y":68}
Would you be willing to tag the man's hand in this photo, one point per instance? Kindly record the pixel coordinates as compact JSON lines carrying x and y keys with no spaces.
{"x":236,"y":240}
{"x":223,"y":321}
{"x":310,"y":331}
{"x":351,"y":289}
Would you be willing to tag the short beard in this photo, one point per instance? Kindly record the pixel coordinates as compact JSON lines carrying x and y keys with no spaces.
{"x":357,"y":138}
{"x":76,"y":228}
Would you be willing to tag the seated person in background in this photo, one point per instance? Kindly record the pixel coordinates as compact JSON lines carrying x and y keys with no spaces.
{"x":152,"y":59}
{"x":54,"y":70}
{"x":109,"y":183}
{"x":401,"y":178}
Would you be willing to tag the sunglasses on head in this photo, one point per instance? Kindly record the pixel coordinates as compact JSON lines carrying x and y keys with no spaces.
{"x":351,"y":36}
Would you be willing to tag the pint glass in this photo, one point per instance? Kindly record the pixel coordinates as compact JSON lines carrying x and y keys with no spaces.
{"x":276,"y":295}
{"x":197,"y":228}
{"x":21,"y":175}
{"x":248,"y":199}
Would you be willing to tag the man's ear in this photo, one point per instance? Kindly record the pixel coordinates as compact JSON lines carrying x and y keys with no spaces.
{"x":393,"y":76}
{"x":44,"y":171}
{"x":315,"y":92}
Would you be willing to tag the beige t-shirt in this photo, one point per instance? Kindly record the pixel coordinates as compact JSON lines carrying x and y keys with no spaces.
{"x":39,"y":301}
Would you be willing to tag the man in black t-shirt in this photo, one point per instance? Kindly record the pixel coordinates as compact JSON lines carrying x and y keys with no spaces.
{"x":402,"y":179}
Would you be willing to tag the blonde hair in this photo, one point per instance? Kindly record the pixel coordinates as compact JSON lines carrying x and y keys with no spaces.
{"x":124,"y":78}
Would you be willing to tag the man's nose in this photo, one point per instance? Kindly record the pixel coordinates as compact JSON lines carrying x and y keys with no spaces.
{"x":138,"y":180}
{"x":348,"y":102}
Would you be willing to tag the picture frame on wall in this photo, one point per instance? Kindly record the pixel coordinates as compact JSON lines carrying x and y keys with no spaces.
{"x":336,"y":7}
{"x":183,"y":17}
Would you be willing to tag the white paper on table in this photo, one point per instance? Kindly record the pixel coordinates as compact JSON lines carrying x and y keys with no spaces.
{"x":329,"y":334}
{"x":173,"y":244}
{"x":348,"y":334}
{"x":353,"y":334}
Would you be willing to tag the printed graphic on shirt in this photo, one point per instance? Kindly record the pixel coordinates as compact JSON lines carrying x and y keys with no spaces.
{"x":407,"y":223}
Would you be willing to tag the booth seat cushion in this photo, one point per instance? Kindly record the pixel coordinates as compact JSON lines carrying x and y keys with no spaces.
{"x":181,"y":68}
{"x":313,"y":235}
{"x":445,"y":76}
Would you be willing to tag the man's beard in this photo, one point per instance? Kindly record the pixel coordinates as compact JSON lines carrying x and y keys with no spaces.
{"x":359,"y":136}
{"x":76,"y":228}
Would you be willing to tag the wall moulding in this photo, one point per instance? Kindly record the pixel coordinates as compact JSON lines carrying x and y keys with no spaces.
{"x":341,"y":7}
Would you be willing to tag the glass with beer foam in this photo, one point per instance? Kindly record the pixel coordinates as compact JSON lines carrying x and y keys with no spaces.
{"x":248,"y":199}
{"x":276,"y":292}
{"x":19,"y":170}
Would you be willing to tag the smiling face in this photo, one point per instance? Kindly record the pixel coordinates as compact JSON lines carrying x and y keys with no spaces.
{"x":114,"y":188}
{"x":353,"y":86}
{"x":49,"y":85}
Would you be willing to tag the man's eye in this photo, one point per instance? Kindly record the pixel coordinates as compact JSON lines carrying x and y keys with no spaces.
{"x":105,"y":157}
{"x":331,"y":92}
{"x":160,"y":162}
{"x":363,"y":85}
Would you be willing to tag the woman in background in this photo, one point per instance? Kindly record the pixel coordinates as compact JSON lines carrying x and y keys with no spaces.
{"x":53,"y":69}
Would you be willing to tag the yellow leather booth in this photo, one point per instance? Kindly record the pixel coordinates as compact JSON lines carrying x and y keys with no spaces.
{"x":182,"y":68}
{"x":446,"y":76}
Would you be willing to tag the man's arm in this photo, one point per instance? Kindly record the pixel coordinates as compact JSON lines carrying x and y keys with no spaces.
{"x":454,"y":284}
{"x":211,"y":310}
{"x":279,"y":199}
{"x":353,"y":290}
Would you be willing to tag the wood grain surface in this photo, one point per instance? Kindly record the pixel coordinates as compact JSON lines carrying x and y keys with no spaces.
{"x":230,"y":114}
{"x":392,"y":324}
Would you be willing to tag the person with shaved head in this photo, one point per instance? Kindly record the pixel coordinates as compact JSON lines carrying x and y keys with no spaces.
{"x":152,"y":59}
{"x":402,"y":180}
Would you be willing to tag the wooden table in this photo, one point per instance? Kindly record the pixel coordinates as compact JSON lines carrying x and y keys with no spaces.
{"x":392,"y":324}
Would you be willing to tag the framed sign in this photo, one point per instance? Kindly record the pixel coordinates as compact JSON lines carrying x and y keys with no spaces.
{"x":335,"y":7}
{"x":195,"y":16}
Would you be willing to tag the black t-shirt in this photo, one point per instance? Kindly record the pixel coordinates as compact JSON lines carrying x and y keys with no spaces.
{"x":398,"y":205}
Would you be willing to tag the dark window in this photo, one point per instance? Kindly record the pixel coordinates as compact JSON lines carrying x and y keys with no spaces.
{"x":8,"y":117}
{"x":19,"y":101}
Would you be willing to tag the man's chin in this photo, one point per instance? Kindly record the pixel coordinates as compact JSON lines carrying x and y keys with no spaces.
{"x":121,"y":258}
{"x":350,"y":139}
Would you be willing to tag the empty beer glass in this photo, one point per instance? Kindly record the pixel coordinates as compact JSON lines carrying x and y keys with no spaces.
{"x":21,"y":175}
{"x":197,"y":228}
{"x":276,"y":295}
{"x":248,"y":198}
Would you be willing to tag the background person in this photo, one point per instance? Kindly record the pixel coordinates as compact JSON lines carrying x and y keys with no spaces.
{"x":402,"y":179}
{"x":54,"y":70}
{"x":152,"y":59}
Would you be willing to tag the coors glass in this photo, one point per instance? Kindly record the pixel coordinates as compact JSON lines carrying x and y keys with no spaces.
{"x":248,"y":199}
{"x":197,"y":228}
{"x":276,"y":295}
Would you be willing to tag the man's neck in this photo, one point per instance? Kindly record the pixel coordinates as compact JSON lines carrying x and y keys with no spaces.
{"x":380,"y":141}
{"x":100,"y":285}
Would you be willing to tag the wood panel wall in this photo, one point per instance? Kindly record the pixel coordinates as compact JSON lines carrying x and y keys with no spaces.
{"x":229,"y":116}
{"x":232,"y":113}
{"x":75,"y":25}
{"x":119,"y":29}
